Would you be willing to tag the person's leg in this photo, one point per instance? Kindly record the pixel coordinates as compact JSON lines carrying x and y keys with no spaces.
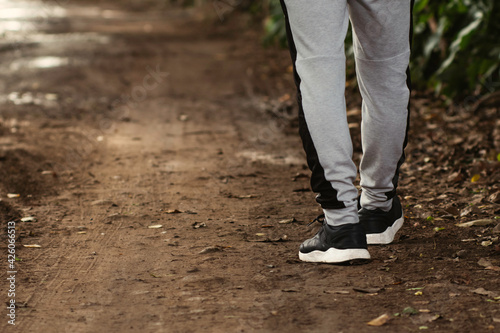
{"x":382,"y":33}
{"x":316,"y":32}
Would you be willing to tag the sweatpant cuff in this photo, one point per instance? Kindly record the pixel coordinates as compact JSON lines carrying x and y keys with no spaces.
{"x":341,"y":216}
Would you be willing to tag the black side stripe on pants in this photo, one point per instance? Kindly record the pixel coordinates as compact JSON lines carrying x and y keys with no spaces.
{"x":327,"y":195}
{"x":395,"y":179}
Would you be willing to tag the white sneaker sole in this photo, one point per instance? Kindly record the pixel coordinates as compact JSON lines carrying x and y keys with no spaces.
{"x":387,"y":236}
{"x":333,"y":255}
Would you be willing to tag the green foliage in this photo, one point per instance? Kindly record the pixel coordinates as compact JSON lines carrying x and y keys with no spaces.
{"x":455,"y":48}
{"x":274,"y":25}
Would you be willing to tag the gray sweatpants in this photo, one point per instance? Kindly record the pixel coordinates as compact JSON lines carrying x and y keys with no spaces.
{"x":316,"y":31}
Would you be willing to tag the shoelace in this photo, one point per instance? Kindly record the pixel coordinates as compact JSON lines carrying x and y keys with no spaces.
{"x":319,"y":219}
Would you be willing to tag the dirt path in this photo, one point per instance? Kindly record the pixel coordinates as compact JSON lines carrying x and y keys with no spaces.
{"x":180,"y":208}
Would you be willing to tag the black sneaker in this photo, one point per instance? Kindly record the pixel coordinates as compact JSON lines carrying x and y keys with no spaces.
{"x":335,"y":244}
{"x":380,"y":226}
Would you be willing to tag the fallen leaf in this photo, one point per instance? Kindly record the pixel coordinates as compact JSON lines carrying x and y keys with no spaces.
{"x":480,"y":222}
{"x":475,"y":178}
{"x":409,"y":310}
{"x":466,"y":211}
{"x":283,"y":238}
{"x":493,"y":268}
{"x":452,"y":210}
{"x":424,"y":318}
{"x":284,"y":98}
{"x":421,"y":302}
{"x":379,"y":321}
{"x":299,"y":175}
{"x":103,"y":203}
{"x":460,"y":254}
{"x":289,"y":290}
{"x":486,"y":243}
{"x":367,"y":290}
{"x":484,"y":262}
{"x":211,"y":249}
{"x":287,"y":221}
{"x":484,"y":292}
{"x":391,"y":259}
{"x":341,"y":292}
{"x":248,"y":196}
{"x":198,"y":225}
{"x":173,"y":211}
{"x":495,"y":197}
{"x":455,"y":177}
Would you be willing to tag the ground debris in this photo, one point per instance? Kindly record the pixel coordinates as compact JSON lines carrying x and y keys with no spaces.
{"x":484,"y":292}
{"x":103,"y":202}
{"x":480,"y":222}
{"x":367,"y":290}
{"x":287,"y":221}
{"x":283,"y":238}
{"x":246,"y":196}
{"x":198,"y":225}
{"x":487,"y":264}
{"x":290,"y":290}
{"x":424,"y":318}
{"x":379,"y":321}
{"x":173,"y":211}
{"x":340,"y":292}
{"x":211,"y":249}
{"x":410,"y":311}
{"x":299,"y":175}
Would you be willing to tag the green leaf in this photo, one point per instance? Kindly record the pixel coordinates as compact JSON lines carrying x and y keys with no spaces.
{"x":461,"y":41}
{"x":409,"y":310}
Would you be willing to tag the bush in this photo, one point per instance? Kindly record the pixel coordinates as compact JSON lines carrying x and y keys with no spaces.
{"x":455,"y":47}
